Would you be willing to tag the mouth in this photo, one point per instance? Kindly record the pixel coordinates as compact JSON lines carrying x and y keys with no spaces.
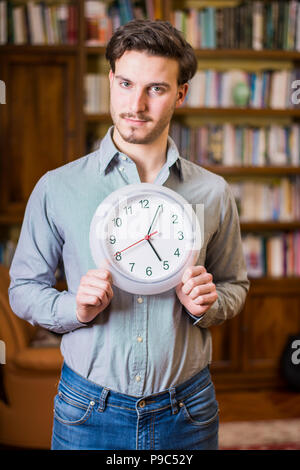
{"x":137,"y":122}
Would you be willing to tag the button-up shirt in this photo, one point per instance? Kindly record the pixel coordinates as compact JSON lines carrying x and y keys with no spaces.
{"x":140,"y":344}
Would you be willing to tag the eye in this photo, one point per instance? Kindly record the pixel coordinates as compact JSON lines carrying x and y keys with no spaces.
{"x":125,"y":84}
{"x":157,"y":89}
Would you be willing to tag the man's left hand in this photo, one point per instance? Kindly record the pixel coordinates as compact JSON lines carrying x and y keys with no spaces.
{"x":197,"y":292}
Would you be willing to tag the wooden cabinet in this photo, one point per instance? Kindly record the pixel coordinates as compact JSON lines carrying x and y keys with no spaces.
{"x":248,"y":348}
{"x":39,"y":128}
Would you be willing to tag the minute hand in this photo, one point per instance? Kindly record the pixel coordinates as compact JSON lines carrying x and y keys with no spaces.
{"x":155,"y":215}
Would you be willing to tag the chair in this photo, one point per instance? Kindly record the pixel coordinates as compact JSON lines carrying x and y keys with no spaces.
{"x":29,"y":379}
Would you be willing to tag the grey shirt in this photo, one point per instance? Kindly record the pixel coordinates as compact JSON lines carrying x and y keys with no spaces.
{"x":138,"y":345}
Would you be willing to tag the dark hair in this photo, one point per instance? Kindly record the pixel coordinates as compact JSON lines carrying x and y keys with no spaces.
{"x":157,"y":38}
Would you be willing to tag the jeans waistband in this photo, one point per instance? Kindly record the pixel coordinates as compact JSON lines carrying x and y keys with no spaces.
{"x":105,"y":396}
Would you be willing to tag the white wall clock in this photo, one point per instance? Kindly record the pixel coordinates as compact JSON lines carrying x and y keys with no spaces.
{"x":146,"y":235}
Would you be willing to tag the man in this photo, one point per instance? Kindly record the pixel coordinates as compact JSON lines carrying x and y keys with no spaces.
{"x":136,"y":371}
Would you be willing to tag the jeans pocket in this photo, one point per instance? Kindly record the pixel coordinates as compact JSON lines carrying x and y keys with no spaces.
{"x":72,"y":408}
{"x":201,"y":408}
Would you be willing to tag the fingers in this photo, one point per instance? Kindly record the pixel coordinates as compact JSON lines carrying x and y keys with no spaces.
{"x":94,"y":290}
{"x":200,"y":282}
{"x":197,"y":291}
{"x":208,"y":299}
{"x":192,"y":271}
{"x":92,"y":285}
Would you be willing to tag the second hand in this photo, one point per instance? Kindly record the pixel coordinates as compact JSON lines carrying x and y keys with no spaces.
{"x":145,"y":238}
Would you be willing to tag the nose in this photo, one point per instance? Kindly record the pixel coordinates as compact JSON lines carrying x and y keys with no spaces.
{"x":138,"y":101}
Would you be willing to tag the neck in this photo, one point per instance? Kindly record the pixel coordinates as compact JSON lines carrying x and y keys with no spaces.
{"x":149,"y":158}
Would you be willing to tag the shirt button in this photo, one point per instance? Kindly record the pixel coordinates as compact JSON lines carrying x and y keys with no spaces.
{"x":140,"y":300}
{"x":140,"y":339}
{"x":121,"y":168}
{"x":142,"y":404}
{"x":137,"y":378}
{"x":123,"y":157}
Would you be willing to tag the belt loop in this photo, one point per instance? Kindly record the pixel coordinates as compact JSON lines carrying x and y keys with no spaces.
{"x":173,"y":400}
{"x":102,"y":400}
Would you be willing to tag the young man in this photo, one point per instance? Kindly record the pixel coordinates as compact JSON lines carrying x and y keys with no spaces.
{"x":136,"y":368}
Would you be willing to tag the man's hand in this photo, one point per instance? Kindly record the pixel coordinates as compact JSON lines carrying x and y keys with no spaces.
{"x":197,"y":292}
{"x":94,"y":294}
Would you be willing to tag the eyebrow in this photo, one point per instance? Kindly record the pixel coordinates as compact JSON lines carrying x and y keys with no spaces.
{"x":165,"y":84}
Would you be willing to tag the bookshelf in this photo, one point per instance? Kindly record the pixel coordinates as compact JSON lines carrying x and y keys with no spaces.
{"x":239,"y":359}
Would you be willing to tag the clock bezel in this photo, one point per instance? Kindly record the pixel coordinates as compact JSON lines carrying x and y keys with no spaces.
{"x":98,"y":247}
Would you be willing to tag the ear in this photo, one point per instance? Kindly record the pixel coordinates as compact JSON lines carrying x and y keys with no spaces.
{"x":181,"y":94}
{"x":111,"y":76}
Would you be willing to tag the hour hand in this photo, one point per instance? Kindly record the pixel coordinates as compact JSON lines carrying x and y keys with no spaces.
{"x":148,"y":240}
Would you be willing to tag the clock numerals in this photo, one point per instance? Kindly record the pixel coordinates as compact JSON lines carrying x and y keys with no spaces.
{"x":132,"y":265}
{"x":174,"y":218}
{"x":144,"y":203}
{"x":149,"y":271}
{"x":118,"y":256}
{"x":176,"y":252}
{"x":128,"y":210}
{"x":166,"y":265}
{"x":117,"y":221}
{"x":180,"y":235}
{"x":112,"y":239}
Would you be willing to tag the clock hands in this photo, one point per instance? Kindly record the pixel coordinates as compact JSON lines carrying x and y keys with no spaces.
{"x":154,"y":249}
{"x":147,"y":237}
{"x":155,"y":215}
{"x":152,"y":223}
{"x":139,"y":241}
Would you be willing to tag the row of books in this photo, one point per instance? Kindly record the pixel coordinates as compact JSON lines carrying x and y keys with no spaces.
{"x":96,"y":93}
{"x":103,"y":18}
{"x":277,"y":89}
{"x":268,"y":200}
{"x":250,"y":25}
{"x":38,"y":23}
{"x":275,"y":256}
{"x":238,"y":145}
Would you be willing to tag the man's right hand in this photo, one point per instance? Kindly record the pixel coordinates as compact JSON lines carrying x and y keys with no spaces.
{"x":94,"y":294}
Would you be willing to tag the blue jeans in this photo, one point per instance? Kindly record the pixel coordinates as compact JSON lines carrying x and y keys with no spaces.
{"x":88,"y":416}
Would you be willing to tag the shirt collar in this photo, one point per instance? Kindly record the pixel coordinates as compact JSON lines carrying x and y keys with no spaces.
{"x":108,"y":151}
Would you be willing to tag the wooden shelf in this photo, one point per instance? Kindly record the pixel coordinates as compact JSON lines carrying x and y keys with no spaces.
{"x":278,"y":285}
{"x":246,"y":54}
{"x":10,"y":219}
{"x":98,"y":117}
{"x":248,"y":112}
{"x":225,"y":54}
{"x":253,"y":170}
{"x":31,"y":49}
{"x":269,"y":226}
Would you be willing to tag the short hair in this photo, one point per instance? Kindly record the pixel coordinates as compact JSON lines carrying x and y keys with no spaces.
{"x":156,"y":37}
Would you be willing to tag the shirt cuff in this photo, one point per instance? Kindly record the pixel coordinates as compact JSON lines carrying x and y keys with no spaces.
{"x":206,"y":319}
{"x":66,"y":317}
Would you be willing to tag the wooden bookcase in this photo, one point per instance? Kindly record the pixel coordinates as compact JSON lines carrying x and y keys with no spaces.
{"x":43,"y":125}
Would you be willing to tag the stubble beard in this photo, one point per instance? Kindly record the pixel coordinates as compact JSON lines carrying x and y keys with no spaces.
{"x":132,"y":135}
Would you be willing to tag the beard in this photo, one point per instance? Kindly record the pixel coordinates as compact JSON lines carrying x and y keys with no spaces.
{"x":137,"y":135}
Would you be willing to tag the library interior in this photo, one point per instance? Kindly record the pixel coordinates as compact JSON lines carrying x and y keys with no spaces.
{"x":240,"y":120}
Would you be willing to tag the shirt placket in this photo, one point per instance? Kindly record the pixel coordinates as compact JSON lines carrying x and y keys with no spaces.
{"x":139,"y":366}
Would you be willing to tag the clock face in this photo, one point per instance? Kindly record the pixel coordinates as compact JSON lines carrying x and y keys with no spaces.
{"x":147,"y":234}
